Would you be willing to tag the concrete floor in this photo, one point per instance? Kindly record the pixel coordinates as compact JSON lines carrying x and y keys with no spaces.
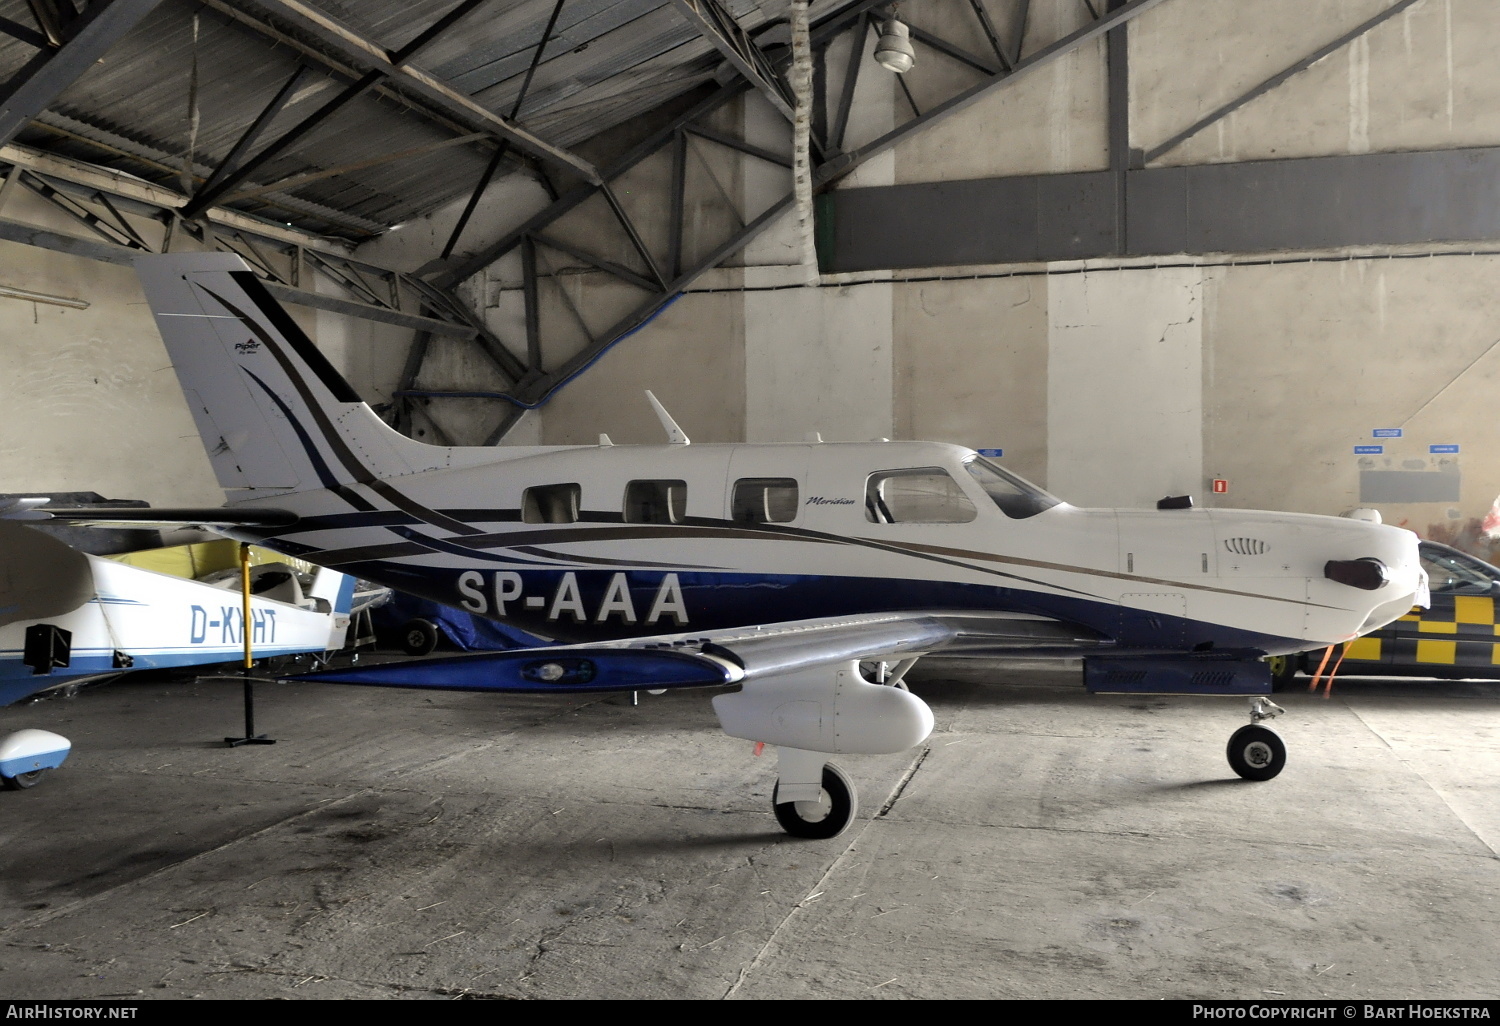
{"x":1042,"y":844}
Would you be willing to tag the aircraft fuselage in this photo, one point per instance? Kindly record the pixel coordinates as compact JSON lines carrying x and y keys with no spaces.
{"x":604,"y":542}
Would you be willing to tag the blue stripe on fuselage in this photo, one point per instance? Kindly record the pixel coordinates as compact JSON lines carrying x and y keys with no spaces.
{"x":725,"y":600}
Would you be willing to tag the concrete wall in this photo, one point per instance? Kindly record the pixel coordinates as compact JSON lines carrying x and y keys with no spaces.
{"x":1423,"y":79}
{"x":90,"y":402}
{"x":1124,"y":386}
{"x":1052,"y":119}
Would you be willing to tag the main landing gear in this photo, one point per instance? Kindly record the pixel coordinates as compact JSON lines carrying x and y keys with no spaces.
{"x":1256,"y":752}
{"x":828,"y":816}
{"x":815,"y":713}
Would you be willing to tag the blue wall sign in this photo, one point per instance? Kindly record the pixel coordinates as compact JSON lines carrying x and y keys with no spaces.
{"x":991,"y":452}
{"x":1368,"y":450}
{"x":1442,"y":448}
{"x":1386,"y":433}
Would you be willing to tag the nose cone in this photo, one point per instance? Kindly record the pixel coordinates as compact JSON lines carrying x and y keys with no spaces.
{"x":1373,"y":571}
{"x":1405,"y":583}
{"x":1358,"y":575}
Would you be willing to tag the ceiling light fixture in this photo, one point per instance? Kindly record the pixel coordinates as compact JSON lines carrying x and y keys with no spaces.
{"x":894,"y":50}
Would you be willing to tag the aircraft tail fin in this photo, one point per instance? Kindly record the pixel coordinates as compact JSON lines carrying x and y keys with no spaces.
{"x":334,"y":587}
{"x":274,"y":415}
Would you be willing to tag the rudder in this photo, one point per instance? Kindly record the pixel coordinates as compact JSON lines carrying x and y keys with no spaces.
{"x":274,"y":415}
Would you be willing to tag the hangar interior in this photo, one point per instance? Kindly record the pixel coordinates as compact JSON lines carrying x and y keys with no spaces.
{"x":1139,"y":247}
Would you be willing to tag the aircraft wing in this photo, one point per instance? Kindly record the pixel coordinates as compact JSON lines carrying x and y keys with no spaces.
{"x":723,"y":658}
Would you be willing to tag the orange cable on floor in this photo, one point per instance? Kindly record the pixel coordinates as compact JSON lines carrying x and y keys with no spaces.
{"x":1328,"y":685}
{"x":1312,"y":685}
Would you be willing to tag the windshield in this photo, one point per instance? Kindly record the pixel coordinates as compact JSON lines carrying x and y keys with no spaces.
{"x":1451,"y":570}
{"x":1016,"y":497}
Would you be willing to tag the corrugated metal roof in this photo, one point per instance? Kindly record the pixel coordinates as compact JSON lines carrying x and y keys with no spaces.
{"x":608,"y":61}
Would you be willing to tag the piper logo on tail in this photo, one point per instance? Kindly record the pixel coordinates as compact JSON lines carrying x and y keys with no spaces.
{"x":566,"y":600}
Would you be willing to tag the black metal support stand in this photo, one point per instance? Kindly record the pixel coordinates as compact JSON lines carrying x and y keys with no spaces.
{"x":251,"y":737}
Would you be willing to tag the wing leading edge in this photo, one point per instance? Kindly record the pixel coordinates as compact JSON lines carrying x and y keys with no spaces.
{"x":722,"y":658}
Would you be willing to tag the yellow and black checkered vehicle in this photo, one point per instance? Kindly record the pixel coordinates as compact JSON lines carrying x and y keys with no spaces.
{"x":1457,"y":636}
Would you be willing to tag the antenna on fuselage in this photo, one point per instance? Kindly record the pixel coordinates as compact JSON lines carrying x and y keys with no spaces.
{"x":675,"y":434}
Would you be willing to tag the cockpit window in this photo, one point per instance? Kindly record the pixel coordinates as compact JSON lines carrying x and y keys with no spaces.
{"x":1454,"y":572}
{"x":1016,"y":497}
{"x":923,"y":495}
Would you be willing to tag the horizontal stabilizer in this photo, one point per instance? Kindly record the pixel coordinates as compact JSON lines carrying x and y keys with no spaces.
{"x":546,"y":670}
{"x":208,"y":516}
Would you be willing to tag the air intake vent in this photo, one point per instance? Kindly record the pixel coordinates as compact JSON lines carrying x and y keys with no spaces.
{"x":1213,"y":678}
{"x":1245,"y":546}
{"x":1114,"y":676}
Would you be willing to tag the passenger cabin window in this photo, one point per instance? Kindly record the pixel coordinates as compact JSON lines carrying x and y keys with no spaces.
{"x":551,"y":504}
{"x":655,"y":502}
{"x":764,"y":500}
{"x":925,"y":495}
{"x":1017,"y":497}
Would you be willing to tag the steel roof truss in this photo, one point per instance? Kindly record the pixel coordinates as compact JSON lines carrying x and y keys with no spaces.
{"x":717,"y":25}
{"x":608,"y":266}
{"x":494,"y":164}
{"x":105,"y":229}
{"x":983,"y":14}
{"x":83,"y":39}
{"x":32,"y":37}
{"x":704,"y":132}
{"x":852,"y":23}
{"x":394,"y":67}
{"x":247,"y":139}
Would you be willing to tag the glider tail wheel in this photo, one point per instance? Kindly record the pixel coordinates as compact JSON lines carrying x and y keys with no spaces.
{"x":21,"y":781}
{"x":1256,"y":752}
{"x":827,"y":817}
{"x":419,"y":637}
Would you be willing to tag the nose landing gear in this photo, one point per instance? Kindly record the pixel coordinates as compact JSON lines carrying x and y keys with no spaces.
{"x":1256,"y":752}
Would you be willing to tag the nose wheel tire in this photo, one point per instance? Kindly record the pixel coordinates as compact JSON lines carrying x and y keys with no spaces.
{"x":1256,"y":752}
{"x":21,"y":781}
{"x":828,"y":817}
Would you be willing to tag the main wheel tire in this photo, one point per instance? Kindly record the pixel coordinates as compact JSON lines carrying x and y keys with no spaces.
{"x":21,"y":781}
{"x":1256,"y":752}
{"x":419,"y":637}
{"x":822,"y":819}
{"x":1283,"y":671}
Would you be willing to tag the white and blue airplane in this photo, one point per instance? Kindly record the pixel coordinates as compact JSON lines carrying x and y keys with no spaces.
{"x":766,"y":572}
{"x":66,"y":615}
